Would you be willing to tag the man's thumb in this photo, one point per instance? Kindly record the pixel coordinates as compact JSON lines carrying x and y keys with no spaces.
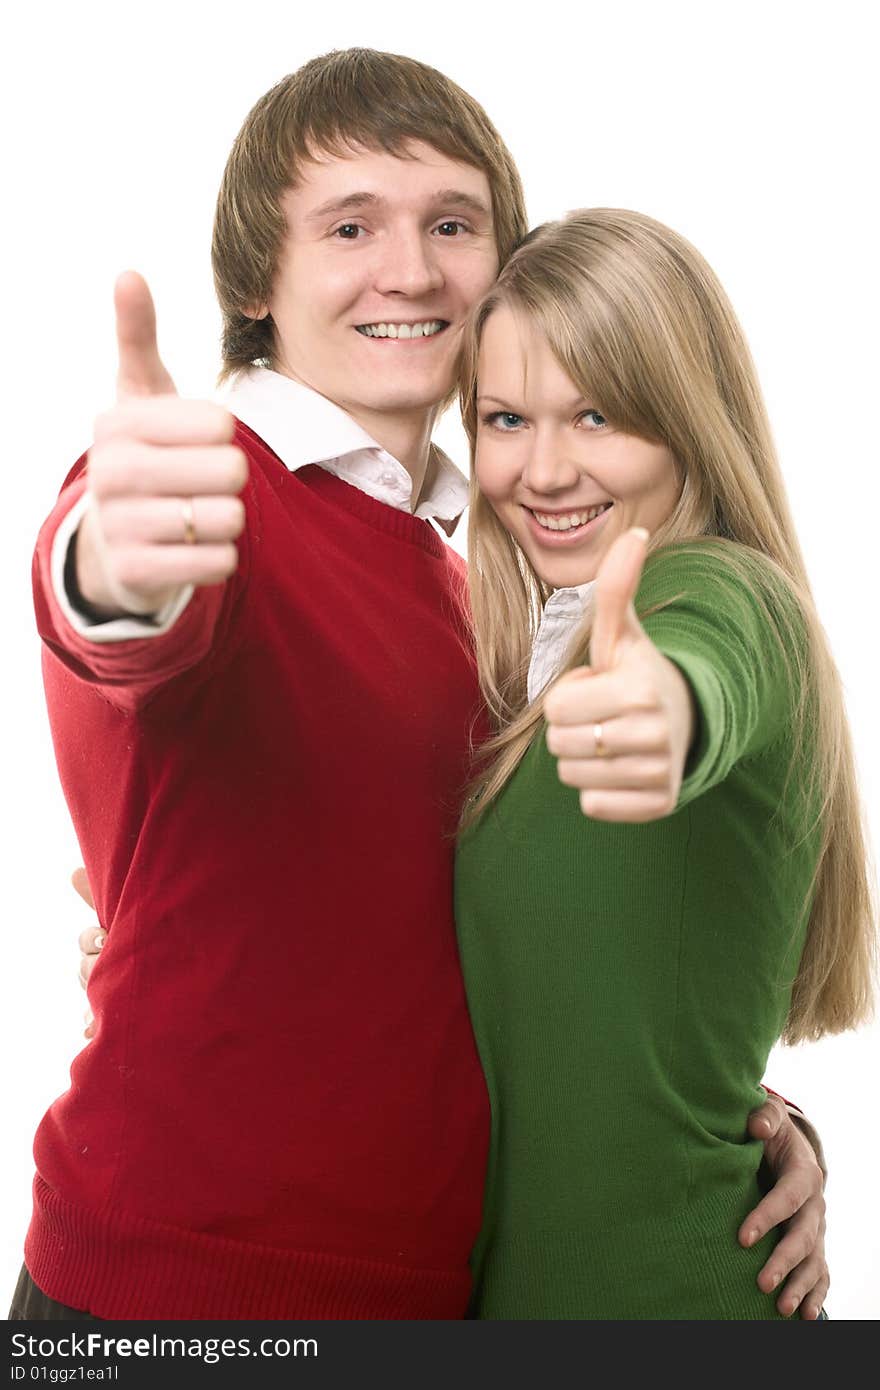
{"x":141,"y":370}
{"x":616,"y":586}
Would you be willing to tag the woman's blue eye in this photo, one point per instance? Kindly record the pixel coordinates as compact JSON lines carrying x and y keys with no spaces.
{"x":594,"y":419}
{"x":505,"y":420}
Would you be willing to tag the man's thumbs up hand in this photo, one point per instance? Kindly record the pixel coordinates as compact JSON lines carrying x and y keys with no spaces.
{"x":163,"y":478}
{"x":621,"y":728}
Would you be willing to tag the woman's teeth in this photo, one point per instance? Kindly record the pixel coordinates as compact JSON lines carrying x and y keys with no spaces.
{"x":570,"y":520}
{"x":402,"y":330}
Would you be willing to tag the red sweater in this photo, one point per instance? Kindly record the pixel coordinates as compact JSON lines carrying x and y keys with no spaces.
{"x":282,"y":1113}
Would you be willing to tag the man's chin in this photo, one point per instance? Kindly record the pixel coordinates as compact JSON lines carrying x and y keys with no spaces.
{"x":406,"y":401}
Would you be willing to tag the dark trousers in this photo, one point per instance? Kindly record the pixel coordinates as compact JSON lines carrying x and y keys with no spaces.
{"x":30,"y":1304}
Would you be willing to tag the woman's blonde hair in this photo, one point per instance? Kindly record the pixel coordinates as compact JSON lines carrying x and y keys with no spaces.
{"x":354,"y":97}
{"x":642,"y":327}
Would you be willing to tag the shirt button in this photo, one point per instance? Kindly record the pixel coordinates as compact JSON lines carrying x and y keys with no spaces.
{"x":387,"y":479}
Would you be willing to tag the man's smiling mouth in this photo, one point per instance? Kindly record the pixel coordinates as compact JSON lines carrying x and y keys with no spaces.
{"x":426,"y":328}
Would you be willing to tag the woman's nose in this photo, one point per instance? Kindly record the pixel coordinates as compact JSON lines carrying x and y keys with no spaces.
{"x":548,"y":467}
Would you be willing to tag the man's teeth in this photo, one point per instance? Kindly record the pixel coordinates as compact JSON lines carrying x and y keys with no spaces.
{"x":402,"y":330}
{"x":570,"y":519}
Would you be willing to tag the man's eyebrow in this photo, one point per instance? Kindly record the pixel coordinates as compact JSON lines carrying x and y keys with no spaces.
{"x":445,"y":197}
{"x":349,"y":200}
{"x":459,"y":198}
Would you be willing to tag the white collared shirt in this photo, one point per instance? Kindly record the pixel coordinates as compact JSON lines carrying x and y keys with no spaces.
{"x":563,"y":613}
{"x":301,"y":427}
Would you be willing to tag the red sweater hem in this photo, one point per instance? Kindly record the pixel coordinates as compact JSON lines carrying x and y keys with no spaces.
{"x":117,"y":1266}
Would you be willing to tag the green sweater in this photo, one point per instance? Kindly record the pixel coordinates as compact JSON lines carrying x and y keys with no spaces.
{"x":627,"y":982}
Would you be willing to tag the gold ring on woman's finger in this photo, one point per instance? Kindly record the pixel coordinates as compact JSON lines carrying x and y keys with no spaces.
{"x":189,"y":520}
{"x":601,"y":750}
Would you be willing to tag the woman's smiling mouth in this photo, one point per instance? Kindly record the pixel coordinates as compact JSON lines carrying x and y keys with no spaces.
{"x":559,"y":528}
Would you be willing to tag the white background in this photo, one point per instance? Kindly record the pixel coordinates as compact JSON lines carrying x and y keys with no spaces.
{"x":748,"y":127}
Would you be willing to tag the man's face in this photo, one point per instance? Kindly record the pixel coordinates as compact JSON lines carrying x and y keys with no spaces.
{"x":382,"y":260}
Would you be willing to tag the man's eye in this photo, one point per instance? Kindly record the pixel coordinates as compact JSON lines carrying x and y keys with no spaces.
{"x":451,"y":229}
{"x":348,"y":231}
{"x":504,"y":420}
{"x":593,"y":419}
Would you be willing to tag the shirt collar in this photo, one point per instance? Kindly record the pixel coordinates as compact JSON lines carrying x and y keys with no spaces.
{"x":303,"y":427}
{"x":561,"y":616}
{"x":572,"y":602}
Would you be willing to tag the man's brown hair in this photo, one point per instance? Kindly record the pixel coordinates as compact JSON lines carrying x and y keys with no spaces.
{"x":353,"y":97}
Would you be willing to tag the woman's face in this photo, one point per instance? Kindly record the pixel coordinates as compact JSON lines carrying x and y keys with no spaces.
{"x":562,"y":480}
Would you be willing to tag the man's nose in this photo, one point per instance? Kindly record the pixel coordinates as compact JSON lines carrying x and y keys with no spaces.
{"x":547,"y":466}
{"x":409,"y":266}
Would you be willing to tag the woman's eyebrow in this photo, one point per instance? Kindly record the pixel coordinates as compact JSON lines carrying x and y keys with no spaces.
{"x":577,"y":403}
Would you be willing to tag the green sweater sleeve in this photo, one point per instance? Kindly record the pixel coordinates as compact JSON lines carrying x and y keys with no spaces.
{"x":727,"y":622}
